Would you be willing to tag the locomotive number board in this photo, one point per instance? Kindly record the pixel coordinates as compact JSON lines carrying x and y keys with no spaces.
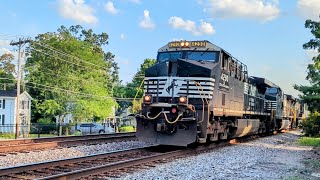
{"x":177,"y":44}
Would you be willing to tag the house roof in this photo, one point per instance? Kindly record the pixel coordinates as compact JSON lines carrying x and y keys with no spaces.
{"x":13,"y":93}
{"x":8,"y":93}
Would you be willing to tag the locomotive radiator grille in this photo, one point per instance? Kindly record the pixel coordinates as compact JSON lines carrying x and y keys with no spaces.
{"x":194,"y":87}
{"x":271,"y":105}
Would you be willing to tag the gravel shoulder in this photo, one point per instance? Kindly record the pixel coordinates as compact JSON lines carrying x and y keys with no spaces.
{"x":273,"y":157}
{"x":63,"y":153}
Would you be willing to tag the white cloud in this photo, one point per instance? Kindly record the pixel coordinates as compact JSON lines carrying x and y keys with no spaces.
{"x":260,"y":10}
{"x":204,"y":28}
{"x":5,"y":50}
{"x":135,"y":1}
{"x":109,"y":7}
{"x":146,"y":22}
{"x":309,"y":8}
{"x":122,"y":36}
{"x":122,"y":61}
{"x":4,"y":42}
{"x":78,"y":11}
{"x":125,"y":62}
{"x":312,"y":53}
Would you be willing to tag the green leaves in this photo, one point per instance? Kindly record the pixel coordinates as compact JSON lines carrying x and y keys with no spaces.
{"x":7,"y":71}
{"x":133,"y":87}
{"x":311,"y":94}
{"x":68,"y":72}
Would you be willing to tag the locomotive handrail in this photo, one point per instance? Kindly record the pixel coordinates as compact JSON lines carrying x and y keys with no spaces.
{"x":165,"y":116}
{"x":134,"y":99}
{"x":176,"y":120}
{"x":152,"y":118}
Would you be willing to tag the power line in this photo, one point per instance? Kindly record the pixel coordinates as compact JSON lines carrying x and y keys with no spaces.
{"x":20,"y":44}
{"x":70,"y":91}
{"x":64,"y":53}
{"x":12,"y":35}
{"x":65,"y":60}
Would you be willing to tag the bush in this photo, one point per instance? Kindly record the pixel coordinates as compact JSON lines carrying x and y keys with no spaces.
{"x":127,"y":129}
{"x":42,"y":128}
{"x":45,"y":121}
{"x":311,"y":125}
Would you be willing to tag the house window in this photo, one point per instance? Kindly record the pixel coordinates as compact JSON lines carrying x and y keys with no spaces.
{"x":2,"y":119}
{"x":2,"y":103}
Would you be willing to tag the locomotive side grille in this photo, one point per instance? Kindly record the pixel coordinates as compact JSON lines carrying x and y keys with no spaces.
{"x":204,"y":90}
{"x":246,"y":88}
{"x":271,"y":105}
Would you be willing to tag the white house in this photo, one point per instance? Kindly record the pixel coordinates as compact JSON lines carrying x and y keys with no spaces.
{"x":8,"y":100}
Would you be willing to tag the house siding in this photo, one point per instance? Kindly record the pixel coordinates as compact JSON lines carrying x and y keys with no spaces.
{"x":10,"y":113}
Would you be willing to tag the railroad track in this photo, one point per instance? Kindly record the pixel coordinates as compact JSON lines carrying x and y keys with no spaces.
{"x":108,"y":165}
{"x":104,"y":165}
{"x":22,"y":145}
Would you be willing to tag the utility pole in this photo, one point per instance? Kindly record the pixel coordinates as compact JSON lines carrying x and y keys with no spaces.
{"x":20,"y":44}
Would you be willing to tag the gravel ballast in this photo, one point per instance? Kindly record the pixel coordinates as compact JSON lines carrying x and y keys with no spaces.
{"x":62,"y":153}
{"x":272,"y":157}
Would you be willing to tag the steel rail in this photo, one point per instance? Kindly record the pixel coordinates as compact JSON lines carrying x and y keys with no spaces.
{"x":130,"y":163}
{"x":113,"y":166}
{"x":46,"y":164}
{"x":48,"y":139}
{"x":64,"y":141}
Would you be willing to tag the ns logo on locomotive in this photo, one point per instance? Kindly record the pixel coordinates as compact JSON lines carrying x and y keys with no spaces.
{"x":197,"y":92}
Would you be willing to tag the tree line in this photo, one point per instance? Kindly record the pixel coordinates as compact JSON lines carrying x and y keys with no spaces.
{"x":68,"y":71}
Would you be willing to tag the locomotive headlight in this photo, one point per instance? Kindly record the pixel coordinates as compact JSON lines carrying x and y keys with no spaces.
{"x":186,"y":44}
{"x":182,"y":44}
{"x":147,"y":99}
{"x":182,"y":99}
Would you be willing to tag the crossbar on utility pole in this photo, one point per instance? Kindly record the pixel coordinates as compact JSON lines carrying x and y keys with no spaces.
{"x":20,"y":44}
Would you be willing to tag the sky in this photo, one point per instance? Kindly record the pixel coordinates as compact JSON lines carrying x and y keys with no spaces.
{"x":266,"y":35}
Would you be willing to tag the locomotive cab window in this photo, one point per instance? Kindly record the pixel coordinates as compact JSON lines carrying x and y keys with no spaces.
{"x":209,"y":56}
{"x":203,"y":56}
{"x":164,"y":56}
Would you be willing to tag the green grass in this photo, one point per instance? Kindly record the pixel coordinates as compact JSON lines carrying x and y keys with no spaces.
{"x":12,"y":136}
{"x":308,"y":141}
{"x":7,"y":136}
{"x":127,"y":129}
{"x":41,"y":135}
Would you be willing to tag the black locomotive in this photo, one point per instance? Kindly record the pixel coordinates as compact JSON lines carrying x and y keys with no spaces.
{"x":197,"y":92}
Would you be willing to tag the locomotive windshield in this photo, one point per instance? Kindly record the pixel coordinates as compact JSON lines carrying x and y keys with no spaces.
{"x":272,"y":90}
{"x":169,"y":55}
{"x":212,"y":56}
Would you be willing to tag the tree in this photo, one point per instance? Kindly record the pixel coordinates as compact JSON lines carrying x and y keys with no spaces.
{"x":311,"y":93}
{"x":7,"y":71}
{"x":130,"y":89}
{"x":68,"y":72}
{"x":133,"y":87}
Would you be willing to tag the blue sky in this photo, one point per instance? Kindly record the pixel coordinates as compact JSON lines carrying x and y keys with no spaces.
{"x":266,"y":35}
